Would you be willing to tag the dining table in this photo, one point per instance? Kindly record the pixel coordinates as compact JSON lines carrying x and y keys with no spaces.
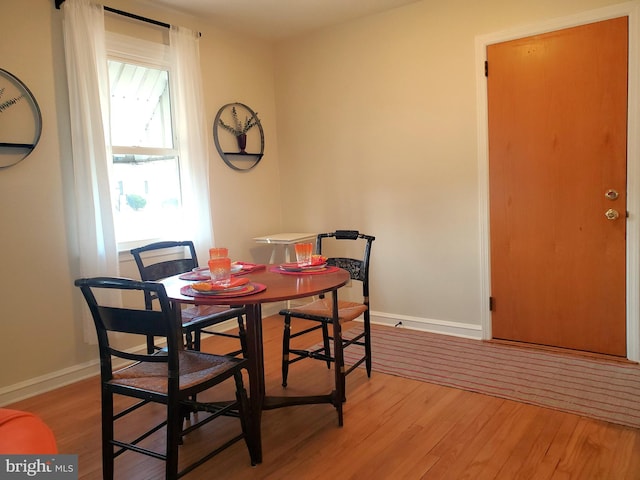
{"x":268,"y":285}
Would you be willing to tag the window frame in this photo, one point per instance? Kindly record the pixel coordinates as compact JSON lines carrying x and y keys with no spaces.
{"x":126,"y":49}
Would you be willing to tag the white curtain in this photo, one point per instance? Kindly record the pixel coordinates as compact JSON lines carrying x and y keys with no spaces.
{"x":87,"y":76}
{"x":190,"y":120}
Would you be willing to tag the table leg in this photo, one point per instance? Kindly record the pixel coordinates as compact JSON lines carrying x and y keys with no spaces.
{"x":256,"y":373}
{"x":177,"y":315}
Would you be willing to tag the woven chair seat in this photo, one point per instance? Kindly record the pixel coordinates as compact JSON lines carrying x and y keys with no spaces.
{"x":323,"y":307}
{"x":195,"y":368}
{"x":195,"y":313}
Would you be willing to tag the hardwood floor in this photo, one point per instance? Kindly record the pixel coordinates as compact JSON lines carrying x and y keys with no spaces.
{"x":394,"y":429}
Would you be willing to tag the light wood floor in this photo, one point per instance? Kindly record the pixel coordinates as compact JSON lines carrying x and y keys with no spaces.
{"x":394,"y":429}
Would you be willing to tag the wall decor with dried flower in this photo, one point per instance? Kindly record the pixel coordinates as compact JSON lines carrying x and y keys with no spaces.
{"x":238,"y":136}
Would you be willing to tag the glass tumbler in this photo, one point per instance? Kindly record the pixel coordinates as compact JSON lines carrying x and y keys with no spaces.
{"x":303,"y":253}
{"x":220,"y":269}
{"x":218,"y":252}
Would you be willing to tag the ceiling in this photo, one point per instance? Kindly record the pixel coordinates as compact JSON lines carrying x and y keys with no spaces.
{"x":275,"y":19}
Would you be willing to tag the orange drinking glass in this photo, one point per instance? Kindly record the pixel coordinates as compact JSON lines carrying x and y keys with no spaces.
{"x":220,"y":269}
{"x":303,"y":253}
{"x":218,"y":252}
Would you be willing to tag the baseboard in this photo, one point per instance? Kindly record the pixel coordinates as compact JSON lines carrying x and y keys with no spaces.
{"x":444,"y":327}
{"x":45,"y":383}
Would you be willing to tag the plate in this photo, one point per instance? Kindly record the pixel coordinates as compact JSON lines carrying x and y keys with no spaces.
{"x":204,"y":271}
{"x":235,"y":268}
{"x":236,"y":284}
{"x":241,"y":289}
{"x":294,"y":267}
{"x":246,"y":289}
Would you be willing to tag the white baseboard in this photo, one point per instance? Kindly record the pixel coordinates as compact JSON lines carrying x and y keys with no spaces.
{"x":456,"y":329}
{"x":35,"y":386}
{"x":45,"y":383}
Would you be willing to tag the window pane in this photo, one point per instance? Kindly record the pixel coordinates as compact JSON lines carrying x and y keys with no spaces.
{"x":147,"y":196}
{"x":140,"y":106}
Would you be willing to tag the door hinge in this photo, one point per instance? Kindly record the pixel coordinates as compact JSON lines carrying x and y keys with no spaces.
{"x":491,"y":304}
{"x":486,"y":68}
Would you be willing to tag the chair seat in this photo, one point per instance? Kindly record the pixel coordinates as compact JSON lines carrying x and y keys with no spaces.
{"x":323,"y":307}
{"x":196,"y":313}
{"x":195,"y":368}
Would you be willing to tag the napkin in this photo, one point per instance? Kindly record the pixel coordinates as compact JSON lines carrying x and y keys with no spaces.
{"x":209,"y":287}
{"x":318,"y":260}
{"x":249,"y":267}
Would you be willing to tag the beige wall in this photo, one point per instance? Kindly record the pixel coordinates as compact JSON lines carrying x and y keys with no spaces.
{"x":376,"y":130}
{"x":40,"y":332}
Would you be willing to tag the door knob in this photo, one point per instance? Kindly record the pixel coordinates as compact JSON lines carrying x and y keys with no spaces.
{"x":611,"y":194}
{"x":611,"y":214}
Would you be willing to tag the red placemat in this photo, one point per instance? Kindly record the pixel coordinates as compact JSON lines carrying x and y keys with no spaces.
{"x":328,"y":269}
{"x":248,"y":289}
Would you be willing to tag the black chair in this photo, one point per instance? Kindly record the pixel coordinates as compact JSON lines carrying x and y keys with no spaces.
{"x":195,"y":318}
{"x":171,"y":376}
{"x":321,"y":311}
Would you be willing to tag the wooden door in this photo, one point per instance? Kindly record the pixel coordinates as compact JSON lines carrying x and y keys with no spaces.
{"x":557,"y":105}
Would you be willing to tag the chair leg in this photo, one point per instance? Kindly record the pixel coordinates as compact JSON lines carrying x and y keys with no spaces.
{"x":286,"y":340}
{"x":242,"y":333}
{"x":339,"y":371}
{"x":107,"y":434}
{"x":367,"y":342}
{"x":196,"y":337}
{"x":174,"y":429}
{"x":243,"y":413}
{"x":150,"y":344}
{"x":326,"y":343}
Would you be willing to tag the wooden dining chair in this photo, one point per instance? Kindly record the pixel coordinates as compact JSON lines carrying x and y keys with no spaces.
{"x":172,"y":377}
{"x":196,"y":319}
{"x":320,"y":311}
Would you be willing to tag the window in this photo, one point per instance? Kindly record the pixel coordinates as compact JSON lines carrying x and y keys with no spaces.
{"x":146,"y":171}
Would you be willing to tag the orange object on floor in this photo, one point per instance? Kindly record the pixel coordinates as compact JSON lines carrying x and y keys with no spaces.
{"x":24,"y":433}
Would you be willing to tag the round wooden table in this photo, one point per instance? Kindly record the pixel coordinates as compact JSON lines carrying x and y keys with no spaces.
{"x":279,"y":287}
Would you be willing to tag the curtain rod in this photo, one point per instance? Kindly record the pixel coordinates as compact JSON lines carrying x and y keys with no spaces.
{"x":129,"y":15}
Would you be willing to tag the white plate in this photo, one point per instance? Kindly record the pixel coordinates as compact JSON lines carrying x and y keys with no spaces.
{"x":204,"y":271}
{"x":235,"y":268}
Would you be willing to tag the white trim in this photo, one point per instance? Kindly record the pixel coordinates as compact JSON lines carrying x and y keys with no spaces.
{"x":51,"y":381}
{"x":132,"y":49}
{"x":45,"y":383}
{"x":456,"y":329}
{"x":630,"y":9}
